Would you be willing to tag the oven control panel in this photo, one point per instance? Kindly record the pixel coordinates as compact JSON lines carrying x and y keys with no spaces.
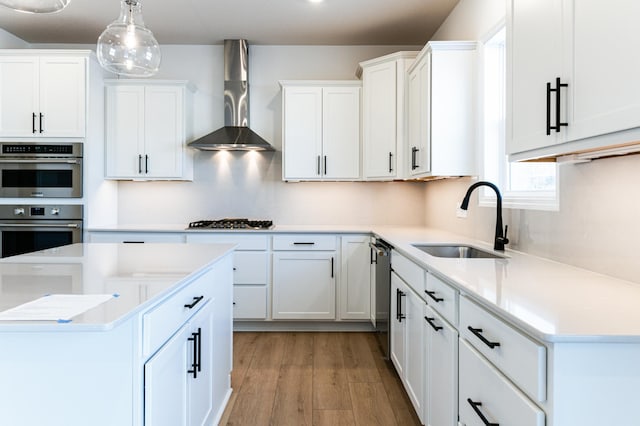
{"x":41,"y":212}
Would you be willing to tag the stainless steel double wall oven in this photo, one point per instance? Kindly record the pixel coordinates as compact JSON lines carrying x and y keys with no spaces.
{"x":43,"y":170}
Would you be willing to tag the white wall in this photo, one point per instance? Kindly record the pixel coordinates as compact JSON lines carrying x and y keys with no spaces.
{"x":9,"y":41}
{"x":596,"y":227}
{"x":249,"y":184}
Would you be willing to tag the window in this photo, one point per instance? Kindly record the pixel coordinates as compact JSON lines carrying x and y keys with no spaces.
{"x":523,"y":185}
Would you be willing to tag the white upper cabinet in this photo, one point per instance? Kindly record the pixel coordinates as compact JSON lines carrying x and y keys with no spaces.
{"x":384,"y":115}
{"x":147,"y":126}
{"x":441,"y":124}
{"x":321,"y":130}
{"x":572,"y":87}
{"x":43,"y":94}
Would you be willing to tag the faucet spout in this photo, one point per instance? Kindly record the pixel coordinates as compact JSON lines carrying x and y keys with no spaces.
{"x":500,"y":238}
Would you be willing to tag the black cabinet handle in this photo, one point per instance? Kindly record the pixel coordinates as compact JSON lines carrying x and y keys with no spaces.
{"x":133,"y":242}
{"x":559,"y":124}
{"x":196,"y":300}
{"x":140,"y":164}
{"x":325,"y":164}
{"x":373,"y":256}
{"x":318,"y":166}
{"x":477,"y":332}
{"x":390,"y":160}
{"x":475,"y":406}
{"x":414,"y":158}
{"x":332,"y":267}
{"x":433,"y":324}
{"x":399,"y":315}
{"x":33,"y":122}
{"x":146,"y":163}
{"x":41,"y":127}
{"x":196,"y":365}
{"x":432,"y":294}
{"x":295,"y":243}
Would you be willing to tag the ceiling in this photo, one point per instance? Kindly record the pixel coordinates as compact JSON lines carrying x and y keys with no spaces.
{"x":268,"y":22}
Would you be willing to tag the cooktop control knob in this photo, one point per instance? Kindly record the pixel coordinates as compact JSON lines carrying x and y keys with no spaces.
{"x":18,"y":211}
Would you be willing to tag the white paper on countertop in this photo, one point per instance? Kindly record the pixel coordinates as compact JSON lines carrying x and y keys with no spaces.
{"x":55,"y":307}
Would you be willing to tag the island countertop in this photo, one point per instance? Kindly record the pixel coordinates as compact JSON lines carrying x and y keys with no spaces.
{"x":138,"y":275}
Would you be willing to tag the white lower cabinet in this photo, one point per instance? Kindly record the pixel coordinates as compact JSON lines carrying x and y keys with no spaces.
{"x":407,"y":340}
{"x":488,"y":398}
{"x":178,"y":379}
{"x":441,"y":384}
{"x":355,"y":277}
{"x":304,"y":285}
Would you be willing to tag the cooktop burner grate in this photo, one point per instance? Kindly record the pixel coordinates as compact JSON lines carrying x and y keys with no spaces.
{"x":231,"y":223}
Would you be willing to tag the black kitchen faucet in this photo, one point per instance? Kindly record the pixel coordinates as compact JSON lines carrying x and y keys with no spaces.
{"x":500,"y":239}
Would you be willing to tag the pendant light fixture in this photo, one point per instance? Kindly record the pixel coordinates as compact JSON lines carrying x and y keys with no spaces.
{"x":126,"y":46}
{"x":35,"y":6}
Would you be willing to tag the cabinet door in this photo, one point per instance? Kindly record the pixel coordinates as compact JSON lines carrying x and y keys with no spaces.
{"x":124,"y":129}
{"x":201,"y":383}
{"x":534,"y":58}
{"x":165,"y":382}
{"x":62,"y":96}
{"x":441,"y":407}
{"x":355,"y":278}
{"x":304,"y":285}
{"x":19,"y":96}
{"x":379,"y":120}
{"x":415,"y":351}
{"x":341,"y":132}
{"x":163,"y":131}
{"x":606,"y":90}
{"x":418,"y":117}
{"x":397,"y":323}
{"x":302,"y":133}
{"x":249,"y":302}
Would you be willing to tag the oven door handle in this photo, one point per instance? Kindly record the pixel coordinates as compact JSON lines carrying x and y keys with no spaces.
{"x":41,"y":161}
{"x":38,"y":225}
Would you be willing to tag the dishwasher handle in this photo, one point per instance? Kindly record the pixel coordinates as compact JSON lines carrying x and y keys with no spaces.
{"x":380,"y":249}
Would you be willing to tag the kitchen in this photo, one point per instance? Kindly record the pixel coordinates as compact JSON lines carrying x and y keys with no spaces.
{"x":594,"y":228}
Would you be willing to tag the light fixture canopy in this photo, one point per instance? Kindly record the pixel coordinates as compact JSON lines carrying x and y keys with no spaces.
{"x":126,"y":46}
{"x":35,"y":6}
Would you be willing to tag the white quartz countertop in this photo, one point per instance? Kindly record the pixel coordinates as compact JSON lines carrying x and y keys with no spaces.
{"x":551,"y":301}
{"x":138,"y":274}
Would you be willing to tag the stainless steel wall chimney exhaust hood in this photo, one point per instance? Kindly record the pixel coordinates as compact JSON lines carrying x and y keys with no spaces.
{"x":235,"y":135}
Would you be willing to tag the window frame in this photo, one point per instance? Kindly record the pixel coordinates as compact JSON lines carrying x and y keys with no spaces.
{"x":528,"y":200}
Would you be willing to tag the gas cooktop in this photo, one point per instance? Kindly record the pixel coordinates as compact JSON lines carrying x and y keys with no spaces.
{"x":232,"y":223}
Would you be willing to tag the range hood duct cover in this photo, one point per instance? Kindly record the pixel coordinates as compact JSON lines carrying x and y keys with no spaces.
{"x":235,"y":135}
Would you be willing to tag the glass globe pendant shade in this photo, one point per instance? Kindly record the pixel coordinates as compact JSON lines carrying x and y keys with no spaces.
{"x":35,"y":6}
{"x":126,"y":46}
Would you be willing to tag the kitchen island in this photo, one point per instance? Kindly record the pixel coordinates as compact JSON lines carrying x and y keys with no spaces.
{"x":156,"y":351}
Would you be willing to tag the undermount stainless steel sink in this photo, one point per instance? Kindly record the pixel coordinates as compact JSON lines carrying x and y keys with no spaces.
{"x":456,"y":251}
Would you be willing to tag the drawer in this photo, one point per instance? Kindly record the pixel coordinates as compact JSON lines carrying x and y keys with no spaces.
{"x":136,"y":237}
{"x":243,"y":241}
{"x":249,"y":302}
{"x":518,"y":357}
{"x":443,"y":298}
{"x":305,"y":242}
{"x":410,"y":272}
{"x":250,"y":267}
{"x":484,"y":392}
{"x":161,"y":322}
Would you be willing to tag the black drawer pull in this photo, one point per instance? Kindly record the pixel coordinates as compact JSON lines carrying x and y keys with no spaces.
{"x":477,"y":332}
{"x":475,"y":406}
{"x":399,"y":315}
{"x":302,"y":244}
{"x":196,"y":300}
{"x":432,"y":294}
{"x":33,"y":122}
{"x":196,"y":365}
{"x":433,"y":324}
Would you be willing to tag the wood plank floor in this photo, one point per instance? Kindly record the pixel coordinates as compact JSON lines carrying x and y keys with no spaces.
{"x":296,"y":379}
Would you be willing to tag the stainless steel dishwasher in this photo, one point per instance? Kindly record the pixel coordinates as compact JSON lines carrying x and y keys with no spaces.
{"x":381,"y":257}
